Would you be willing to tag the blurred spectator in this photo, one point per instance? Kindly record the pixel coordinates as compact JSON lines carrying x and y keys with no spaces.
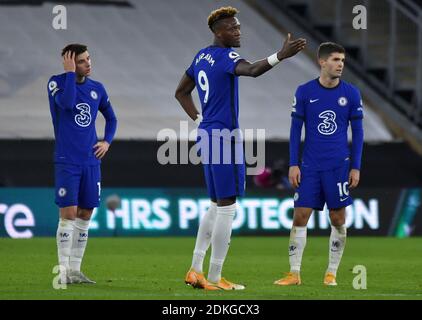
{"x":275,"y":176}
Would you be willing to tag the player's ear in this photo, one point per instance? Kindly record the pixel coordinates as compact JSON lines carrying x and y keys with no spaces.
{"x":218,"y":34}
{"x":218,"y":30}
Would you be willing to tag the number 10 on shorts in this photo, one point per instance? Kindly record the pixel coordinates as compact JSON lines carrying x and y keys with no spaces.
{"x":343,"y":190}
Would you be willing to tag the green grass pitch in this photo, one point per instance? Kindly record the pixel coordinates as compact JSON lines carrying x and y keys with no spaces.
{"x":154,"y":269}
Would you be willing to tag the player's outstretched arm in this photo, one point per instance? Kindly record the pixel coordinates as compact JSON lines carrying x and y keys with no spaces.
{"x":290,"y":48}
{"x":184,"y":96}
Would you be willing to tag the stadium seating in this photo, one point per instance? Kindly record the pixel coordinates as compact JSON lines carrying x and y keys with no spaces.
{"x":140,"y":53}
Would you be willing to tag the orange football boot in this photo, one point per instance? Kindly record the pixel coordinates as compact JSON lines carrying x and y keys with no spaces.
{"x":330,"y":279}
{"x":291,"y":279}
{"x":223,"y":284}
{"x":195,"y":279}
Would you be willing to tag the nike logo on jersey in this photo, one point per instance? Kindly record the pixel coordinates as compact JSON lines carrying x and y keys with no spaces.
{"x":344,"y":199}
{"x":312,"y":101}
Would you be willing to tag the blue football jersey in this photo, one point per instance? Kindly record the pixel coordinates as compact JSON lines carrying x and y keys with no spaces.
{"x":213,"y":70}
{"x":74,"y":121}
{"x":326,"y":113}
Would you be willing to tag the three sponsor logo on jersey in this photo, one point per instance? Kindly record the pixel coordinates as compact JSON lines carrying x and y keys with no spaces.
{"x":328,"y":126}
{"x":83,"y":117}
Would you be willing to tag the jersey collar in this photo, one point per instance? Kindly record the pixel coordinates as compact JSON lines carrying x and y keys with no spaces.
{"x":319,"y":83}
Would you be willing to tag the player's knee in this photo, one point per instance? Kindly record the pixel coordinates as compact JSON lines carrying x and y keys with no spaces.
{"x":338,"y":217}
{"x":337,"y":221}
{"x":226,"y":201}
{"x":85,"y":214}
{"x":68,"y":213}
{"x":300,"y":220}
{"x":301,"y":217}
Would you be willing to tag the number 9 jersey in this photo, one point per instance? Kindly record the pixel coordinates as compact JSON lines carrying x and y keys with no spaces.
{"x":213,"y":70}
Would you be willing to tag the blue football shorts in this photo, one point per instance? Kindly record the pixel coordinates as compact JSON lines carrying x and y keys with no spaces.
{"x":224,"y":167}
{"x":77,"y":185}
{"x":319,"y":187}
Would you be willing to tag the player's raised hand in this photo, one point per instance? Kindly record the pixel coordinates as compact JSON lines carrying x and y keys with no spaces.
{"x":101,"y":149}
{"x":354,"y":177}
{"x":294,"y":176}
{"x":69,"y":61}
{"x":291,"y":47}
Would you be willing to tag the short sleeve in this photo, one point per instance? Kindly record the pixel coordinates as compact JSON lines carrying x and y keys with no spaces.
{"x":298,"y":105}
{"x":190,"y":72}
{"x":231,"y":59}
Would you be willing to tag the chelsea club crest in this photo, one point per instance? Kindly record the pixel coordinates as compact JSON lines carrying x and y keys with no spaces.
{"x":342,"y":101}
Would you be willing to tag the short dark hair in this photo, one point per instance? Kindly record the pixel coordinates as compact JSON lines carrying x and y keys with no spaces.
{"x":77,"y":48}
{"x":219,"y":14}
{"x":327,"y":48}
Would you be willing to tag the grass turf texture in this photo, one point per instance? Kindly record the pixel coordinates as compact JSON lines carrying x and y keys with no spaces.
{"x":154,"y":268}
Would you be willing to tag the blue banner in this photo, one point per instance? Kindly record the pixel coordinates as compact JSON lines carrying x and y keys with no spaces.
{"x":29,"y":212}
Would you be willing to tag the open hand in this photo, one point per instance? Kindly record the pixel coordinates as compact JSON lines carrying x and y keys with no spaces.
{"x":101,"y":149}
{"x":294,"y":176}
{"x":69,"y":61}
{"x":354,"y":177}
{"x":291,"y":47}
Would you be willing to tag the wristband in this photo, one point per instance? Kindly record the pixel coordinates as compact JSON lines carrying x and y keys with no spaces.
{"x":273,"y":60}
{"x":198,"y":119}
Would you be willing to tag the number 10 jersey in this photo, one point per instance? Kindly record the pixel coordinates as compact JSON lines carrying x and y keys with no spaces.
{"x":326,"y":113}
